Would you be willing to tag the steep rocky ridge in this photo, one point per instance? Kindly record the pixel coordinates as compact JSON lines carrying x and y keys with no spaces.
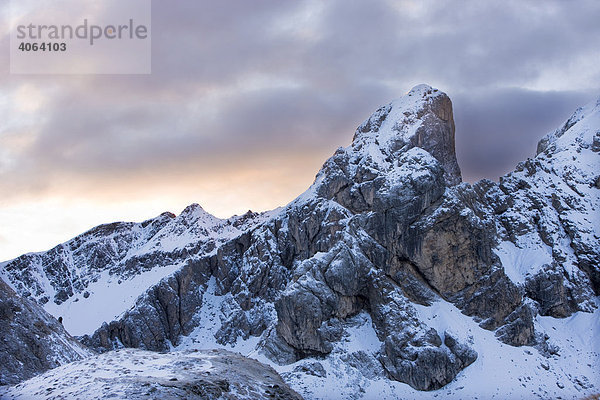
{"x":115,"y":263}
{"x":386,"y":229}
{"x":31,"y":341}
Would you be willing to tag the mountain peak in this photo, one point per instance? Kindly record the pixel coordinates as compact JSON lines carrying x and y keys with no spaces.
{"x":581,"y":127}
{"x":422,"y":118}
{"x":193,"y":208}
{"x":195,"y":212}
{"x":422,"y":89}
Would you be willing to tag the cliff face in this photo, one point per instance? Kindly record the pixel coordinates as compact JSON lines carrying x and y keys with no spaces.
{"x":385,"y":233}
{"x":32,"y":340}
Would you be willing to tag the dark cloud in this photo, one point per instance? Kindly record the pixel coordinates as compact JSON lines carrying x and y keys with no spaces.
{"x":497,"y":129}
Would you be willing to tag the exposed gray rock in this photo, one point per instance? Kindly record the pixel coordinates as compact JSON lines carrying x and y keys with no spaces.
{"x":412,"y":352}
{"x":312,"y":368}
{"x":124,"y":249}
{"x":369,"y":366}
{"x":31,"y":340}
{"x":70,"y":267}
{"x":548,"y":288}
{"x":426,"y":110}
{"x":277,"y":349}
{"x":517,"y":328}
{"x":161,"y":315}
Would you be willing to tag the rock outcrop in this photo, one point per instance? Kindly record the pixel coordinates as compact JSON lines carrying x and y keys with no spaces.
{"x":31,"y":340}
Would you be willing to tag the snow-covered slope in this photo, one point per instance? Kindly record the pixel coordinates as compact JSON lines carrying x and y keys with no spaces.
{"x":387,"y":277}
{"x":553,"y":221}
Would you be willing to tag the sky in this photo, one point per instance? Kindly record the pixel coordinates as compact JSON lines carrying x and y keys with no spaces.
{"x":246,"y":100}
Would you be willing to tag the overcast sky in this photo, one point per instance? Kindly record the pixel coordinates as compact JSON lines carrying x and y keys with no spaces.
{"x":247,"y":99}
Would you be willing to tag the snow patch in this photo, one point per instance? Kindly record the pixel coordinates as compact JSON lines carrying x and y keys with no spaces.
{"x":108,"y":298}
{"x":523,"y":262}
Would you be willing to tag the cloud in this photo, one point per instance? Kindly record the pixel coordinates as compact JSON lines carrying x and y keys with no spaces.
{"x":497,"y":129}
{"x":247,"y":99}
{"x":235,"y":81}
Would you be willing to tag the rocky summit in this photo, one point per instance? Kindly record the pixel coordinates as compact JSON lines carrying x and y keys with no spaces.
{"x":387,"y":278}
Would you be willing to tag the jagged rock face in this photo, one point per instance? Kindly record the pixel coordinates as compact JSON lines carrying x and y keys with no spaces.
{"x":122,"y":249}
{"x":71,"y":266}
{"x":552,"y":212}
{"x":32,"y":341}
{"x":161,"y":316}
{"x":423,"y":118}
{"x":413,"y":352}
{"x":96,"y":263}
{"x":137,"y":374}
{"x":325,"y":253}
{"x":387,"y":227}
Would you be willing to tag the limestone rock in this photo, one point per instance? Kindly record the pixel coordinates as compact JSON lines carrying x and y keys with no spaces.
{"x":32,"y":341}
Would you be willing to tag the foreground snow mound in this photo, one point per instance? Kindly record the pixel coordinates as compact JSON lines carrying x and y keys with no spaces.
{"x":136,"y":374}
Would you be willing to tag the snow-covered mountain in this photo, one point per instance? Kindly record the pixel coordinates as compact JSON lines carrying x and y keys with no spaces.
{"x":388,"y":276}
{"x":115,"y":263}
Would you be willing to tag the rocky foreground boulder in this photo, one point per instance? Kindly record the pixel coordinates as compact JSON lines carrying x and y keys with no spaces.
{"x":138,"y":374}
